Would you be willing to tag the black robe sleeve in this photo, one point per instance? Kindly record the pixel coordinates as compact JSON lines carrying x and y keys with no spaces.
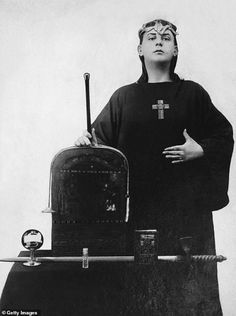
{"x":107,"y":123}
{"x":217,"y":143}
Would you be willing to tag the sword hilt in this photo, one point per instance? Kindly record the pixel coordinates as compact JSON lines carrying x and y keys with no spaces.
{"x":208,"y":258}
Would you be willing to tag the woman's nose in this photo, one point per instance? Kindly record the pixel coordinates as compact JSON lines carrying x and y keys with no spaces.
{"x":159,"y":41}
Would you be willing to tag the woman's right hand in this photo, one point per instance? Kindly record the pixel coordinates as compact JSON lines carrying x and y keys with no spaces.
{"x":87,"y":139}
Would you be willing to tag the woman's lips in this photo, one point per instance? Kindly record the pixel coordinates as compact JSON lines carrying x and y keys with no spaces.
{"x":158,"y":51}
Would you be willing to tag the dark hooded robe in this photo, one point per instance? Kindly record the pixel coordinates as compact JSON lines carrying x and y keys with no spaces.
{"x":176,"y":199}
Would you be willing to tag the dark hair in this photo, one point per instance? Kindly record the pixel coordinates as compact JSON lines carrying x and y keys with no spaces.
{"x":173,"y":75}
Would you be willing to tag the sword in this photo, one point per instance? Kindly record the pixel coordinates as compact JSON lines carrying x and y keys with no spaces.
{"x":32,"y":240}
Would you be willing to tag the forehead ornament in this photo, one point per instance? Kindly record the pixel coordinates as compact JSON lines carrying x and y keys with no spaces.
{"x":158,"y":27}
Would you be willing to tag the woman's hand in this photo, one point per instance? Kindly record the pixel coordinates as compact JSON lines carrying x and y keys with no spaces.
{"x":188,"y":151}
{"x":87,"y":139}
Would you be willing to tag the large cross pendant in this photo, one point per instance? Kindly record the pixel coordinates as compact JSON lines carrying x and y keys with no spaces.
{"x":160,"y":107}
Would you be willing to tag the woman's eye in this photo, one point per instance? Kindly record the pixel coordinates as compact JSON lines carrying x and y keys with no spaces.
{"x":151,"y":38}
{"x":166,"y":38}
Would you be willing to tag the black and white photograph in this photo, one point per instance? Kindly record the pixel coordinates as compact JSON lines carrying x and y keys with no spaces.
{"x":117,"y":164}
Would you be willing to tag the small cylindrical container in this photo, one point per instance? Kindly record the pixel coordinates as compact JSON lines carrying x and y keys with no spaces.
{"x":85,"y":262}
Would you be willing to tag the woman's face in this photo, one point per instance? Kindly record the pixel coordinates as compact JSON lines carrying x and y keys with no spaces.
{"x":157,"y":47}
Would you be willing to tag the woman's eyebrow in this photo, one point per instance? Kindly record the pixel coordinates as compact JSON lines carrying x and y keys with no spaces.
{"x":151,"y":33}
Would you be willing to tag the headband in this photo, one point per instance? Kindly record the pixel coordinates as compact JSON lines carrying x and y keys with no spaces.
{"x":159,"y":26}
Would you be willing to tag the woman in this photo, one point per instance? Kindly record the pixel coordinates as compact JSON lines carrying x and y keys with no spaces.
{"x":179,"y":148}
